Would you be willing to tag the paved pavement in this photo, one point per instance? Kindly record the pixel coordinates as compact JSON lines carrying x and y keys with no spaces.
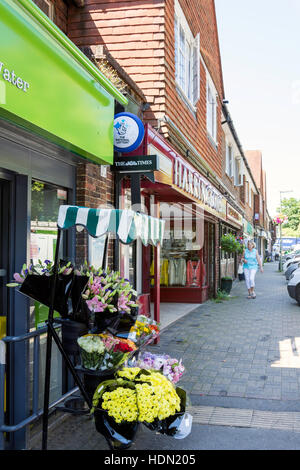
{"x":242,"y":360}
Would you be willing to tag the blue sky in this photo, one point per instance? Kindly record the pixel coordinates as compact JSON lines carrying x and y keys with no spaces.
{"x":260,"y":51}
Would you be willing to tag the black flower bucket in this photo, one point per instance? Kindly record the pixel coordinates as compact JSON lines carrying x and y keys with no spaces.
{"x":71,"y":331}
{"x":107,"y":321}
{"x":78,"y":287}
{"x":98,"y":322}
{"x":92,"y":379}
{"x":40,"y":287}
{"x":118,"y":436}
{"x":170,"y":426}
{"x":127,"y":320}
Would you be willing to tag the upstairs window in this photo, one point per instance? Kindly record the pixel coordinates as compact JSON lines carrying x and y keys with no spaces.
{"x":46,"y":6}
{"x":237,"y":172}
{"x":187,"y":57}
{"x":229,"y":160}
{"x":211,"y":109}
{"x":247,"y":192}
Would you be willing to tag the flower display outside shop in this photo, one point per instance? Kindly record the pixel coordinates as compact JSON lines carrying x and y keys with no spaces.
{"x":170,"y":367}
{"x":144,"y":330}
{"x":101,"y":291}
{"x":151,"y":396}
{"x":102,"y":352}
{"x":42,"y":268}
{"x":280,"y":219}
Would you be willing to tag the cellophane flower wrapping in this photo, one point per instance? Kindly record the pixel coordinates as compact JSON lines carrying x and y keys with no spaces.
{"x":171,"y":368}
{"x":108,"y":292}
{"x":144,"y":331}
{"x":104,"y":352}
{"x":152,"y":396}
{"x":140,"y":396}
{"x":92,"y":351}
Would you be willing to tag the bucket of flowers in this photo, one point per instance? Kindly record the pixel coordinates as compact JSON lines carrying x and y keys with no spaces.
{"x":100,"y":304}
{"x":144,"y":331}
{"x":82,"y":275}
{"x":138,"y":396}
{"x":101,"y":355}
{"x":127,"y":304}
{"x":108,"y":300}
{"x":170,"y":367}
{"x":116,"y":413}
{"x":36,"y":281}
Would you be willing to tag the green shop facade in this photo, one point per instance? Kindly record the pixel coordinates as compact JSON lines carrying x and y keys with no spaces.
{"x":56,"y":111}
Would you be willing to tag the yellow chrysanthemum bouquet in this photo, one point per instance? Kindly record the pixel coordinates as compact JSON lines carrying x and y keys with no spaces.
{"x":137,"y":396}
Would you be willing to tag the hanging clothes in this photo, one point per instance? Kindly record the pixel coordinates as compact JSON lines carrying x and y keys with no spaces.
{"x":193,"y":273}
{"x":177,"y":272}
{"x":164,"y":272}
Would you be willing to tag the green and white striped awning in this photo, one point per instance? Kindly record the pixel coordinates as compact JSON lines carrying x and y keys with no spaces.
{"x":126,"y":224}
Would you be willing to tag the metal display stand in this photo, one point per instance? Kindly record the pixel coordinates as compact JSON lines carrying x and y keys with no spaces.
{"x":90,"y":218}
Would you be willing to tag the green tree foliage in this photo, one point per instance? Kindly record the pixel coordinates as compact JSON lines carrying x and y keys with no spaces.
{"x":291,"y":208}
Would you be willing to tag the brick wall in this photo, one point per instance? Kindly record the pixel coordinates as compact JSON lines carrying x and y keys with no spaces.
{"x":140,"y":36}
{"x":60,"y":13}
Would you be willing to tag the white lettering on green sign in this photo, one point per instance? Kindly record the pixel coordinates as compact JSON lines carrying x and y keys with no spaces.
{"x":11,"y":77}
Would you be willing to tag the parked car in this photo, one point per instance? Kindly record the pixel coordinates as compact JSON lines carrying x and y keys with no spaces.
{"x":291,"y":269}
{"x":296,"y":259}
{"x":293,"y":286}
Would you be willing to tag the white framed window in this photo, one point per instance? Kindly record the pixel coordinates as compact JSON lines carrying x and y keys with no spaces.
{"x":237,"y":172}
{"x":229,"y":160}
{"x":211,"y":108}
{"x":250,"y":198}
{"x":247,"y":192}
{"x":187,"y":57}
{"x":47,"y":7}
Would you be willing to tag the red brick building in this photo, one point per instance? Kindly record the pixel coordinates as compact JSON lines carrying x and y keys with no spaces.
{"x":168,"y":50}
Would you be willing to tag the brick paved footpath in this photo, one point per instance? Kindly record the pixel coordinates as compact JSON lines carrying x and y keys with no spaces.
{"x":239,"y":354}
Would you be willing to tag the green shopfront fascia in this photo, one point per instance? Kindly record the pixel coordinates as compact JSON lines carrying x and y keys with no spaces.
{"x":56,"y":111}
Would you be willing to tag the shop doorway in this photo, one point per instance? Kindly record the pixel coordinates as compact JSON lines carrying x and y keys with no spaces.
{"x":4,"y":253}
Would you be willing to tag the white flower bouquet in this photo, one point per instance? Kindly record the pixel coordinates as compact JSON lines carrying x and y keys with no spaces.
{"x":92,"y":351}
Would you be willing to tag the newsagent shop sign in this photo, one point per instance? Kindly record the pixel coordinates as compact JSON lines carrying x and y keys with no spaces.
{"x":10,"y":76}
{"x":191,"y":182}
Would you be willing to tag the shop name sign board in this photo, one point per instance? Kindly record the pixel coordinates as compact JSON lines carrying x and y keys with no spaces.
{"x":234,"y":216}
{"x":128,"y":132}
{"x":136,"y":164}
{"x":11,"y":77}
{"x":194,"y":184}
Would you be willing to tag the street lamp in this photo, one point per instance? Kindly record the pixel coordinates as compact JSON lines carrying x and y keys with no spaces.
{"x":280,"y":259}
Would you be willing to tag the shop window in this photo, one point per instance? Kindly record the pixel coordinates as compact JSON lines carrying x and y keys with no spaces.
{"x":187,"y":57}
{"x":211,"y":100}
{"x":45,"y":202}
{"x":46,"y":6}
{"x":182,"y":263}
{"x":131,"y":255}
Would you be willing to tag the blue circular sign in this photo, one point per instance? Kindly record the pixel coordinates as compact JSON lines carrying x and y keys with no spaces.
{"x":128,"y":132}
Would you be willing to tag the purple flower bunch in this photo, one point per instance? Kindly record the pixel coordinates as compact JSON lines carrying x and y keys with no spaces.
{"x":170,"y":367}
{"x":104,"y":288}
{"x":99,"y":295}
{"x":45,"y":268}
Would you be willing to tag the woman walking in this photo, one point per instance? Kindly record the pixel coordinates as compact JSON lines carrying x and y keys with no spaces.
{"x":251,"y":260}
